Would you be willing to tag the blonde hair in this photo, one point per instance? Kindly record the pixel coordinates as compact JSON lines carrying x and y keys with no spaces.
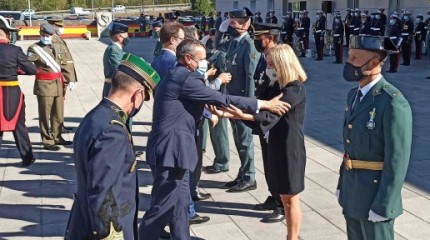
{"x":287,"y":66}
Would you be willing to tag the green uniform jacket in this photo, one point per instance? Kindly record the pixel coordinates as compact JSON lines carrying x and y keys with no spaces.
{"x":66,"y":60}
{"x":42,"y":87}
{"x":111,"y":59}
{"x":389,"y":142}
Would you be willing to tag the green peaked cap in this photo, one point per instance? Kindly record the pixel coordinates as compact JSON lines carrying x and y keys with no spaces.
{"x":140,"y":70}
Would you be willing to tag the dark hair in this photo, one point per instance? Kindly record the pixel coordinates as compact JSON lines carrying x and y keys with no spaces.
{"x":122,"y":81}
{"x":170,"y":30}
{"x":187,"y":47}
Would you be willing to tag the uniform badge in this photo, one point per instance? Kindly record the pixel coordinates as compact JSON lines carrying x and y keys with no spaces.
{"x":261,"y":81}
{"x":133,"y":166}
{"x":233,"y":62}
{"x":371,"y":123}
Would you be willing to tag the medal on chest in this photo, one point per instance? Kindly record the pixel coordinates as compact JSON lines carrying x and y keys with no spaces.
{"x":261,"y":81}
{"x":371,"y":123}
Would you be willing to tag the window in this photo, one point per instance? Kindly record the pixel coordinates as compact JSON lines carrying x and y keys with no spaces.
{"x":252,"y":6}
{"x":235,"y":4}
{"x":270,"y":5}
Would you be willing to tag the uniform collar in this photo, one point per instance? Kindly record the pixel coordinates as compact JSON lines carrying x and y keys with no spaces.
{"x":117,"y":109}
{"x":364,"y":90}
{"x":240,"y":37}
{"x":119,"y":45}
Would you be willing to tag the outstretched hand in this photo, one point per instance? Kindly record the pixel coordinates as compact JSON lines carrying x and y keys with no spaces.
{"x":276,"y":106}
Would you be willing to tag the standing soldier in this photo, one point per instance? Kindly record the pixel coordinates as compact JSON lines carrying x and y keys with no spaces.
{"x":426,"y":30}
{"x":300,"y":33}
{"x":49,"y":87}
{"x":218,"y":20}
{"x":338,"y":32}
{"x":357,"y":22}
{"x":418,"y":32}
{"x":287,"y":30}
{"x":257,"y":18}
{"x":365,"y":28}
{"x":378,"y":27}
{"x":407,"y":33}
{"x":273,"y":18}
{"x":377,"y":137}
{"x":12,"y":105}
{"x":349,"y":26}
{"x":160,"y":18}
{"x":113,"y":54}
{"x":335,"y":13}
{"x":67,"y":64}
{"x":203,"y":23}
{"x":394,"y":32}
{"x":106,"y":203}
{"x":306,"y":24}
{"x":241,"y":61}
{"x":211,"y":21}
{"x":319,"y":31}
{"x":384,"y":19}
{"x":156,"y":27}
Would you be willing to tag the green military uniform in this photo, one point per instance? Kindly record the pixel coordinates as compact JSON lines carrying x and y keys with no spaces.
{"x":377,"y":136}
{"x":49,"y":89}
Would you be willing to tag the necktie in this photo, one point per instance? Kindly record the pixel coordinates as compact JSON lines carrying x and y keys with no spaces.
{"x":233,"y":45}
{"x":357,"y":100}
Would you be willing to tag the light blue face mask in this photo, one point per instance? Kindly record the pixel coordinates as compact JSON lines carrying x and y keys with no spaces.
{"x":203,"y":67}
{"x":46,"y":40}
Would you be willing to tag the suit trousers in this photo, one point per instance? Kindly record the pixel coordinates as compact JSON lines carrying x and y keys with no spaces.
{"x":219,"y":139}
{"x":51,"y":113}
{"x":197,"y":173}
{"x":170,"y":198}
{"x":406,"y":52}
{"x":21,"y":137}
{"x":242,"y":135}
{"x":319,"y":43}
{"x":366,"y":230}
{"x":394,"y":62}
{"x":338,"y":49}
{"x":419,"y":48}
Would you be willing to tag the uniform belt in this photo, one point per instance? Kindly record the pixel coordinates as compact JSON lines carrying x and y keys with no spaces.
{"x":318,"y":31}
{"x":108,"y":80}
{"x":9,"y":83}
{"x":360,"y":164}
{"x":376,"y":29}
{"x":356,"y":29}
{"x":50,"y":76}
{"x":300,"y":28}
{"x":336,"y":35}
{"x":393,"y":37}
{"x":405,"y":34}
{"x":351,"y":26}
{"x":419,"y":32}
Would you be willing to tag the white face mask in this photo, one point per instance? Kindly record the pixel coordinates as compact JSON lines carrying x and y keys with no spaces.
{"x":271,"y":73}
{"x":356,"y":14}
{"x":405,"y":17}
{"x":46,"y":40}
{"x":418,"y":19}
{"x":392,"y":21}
{"x":377,"y":17}
{"x":203,"y":67}
{"x":60,"y":31}
{"x":317,"y":17}
{"x":337,"y":20}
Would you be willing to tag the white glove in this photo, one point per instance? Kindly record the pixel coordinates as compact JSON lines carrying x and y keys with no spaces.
{"x":373,"y":217}
{"x":72,"y":86}
{"x":337,"y":194}
{"x":224,"y":25}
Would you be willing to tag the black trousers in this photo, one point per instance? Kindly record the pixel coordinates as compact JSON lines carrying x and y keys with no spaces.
{"x":394,"y":62}
{"x":419,"y":47}
{"x":338,"y":49}
{"x":406,"y":52}
{"x":319,"y":42}
{"x":197,"y":173}
{"x":22,"y":139}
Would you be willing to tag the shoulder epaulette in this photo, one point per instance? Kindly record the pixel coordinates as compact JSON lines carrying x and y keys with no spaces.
{"x":391,"y":91}
{"x":112,"y":122}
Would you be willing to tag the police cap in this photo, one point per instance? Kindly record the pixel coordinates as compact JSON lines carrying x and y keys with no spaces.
{"x":240,"y":13}
{"x":266,"y":28}
{"x":47,"y":28}
{"x":373,"y":43}
{"x":118,"y":28}
{"x":56,"y":20}
{"x":157,"y":24}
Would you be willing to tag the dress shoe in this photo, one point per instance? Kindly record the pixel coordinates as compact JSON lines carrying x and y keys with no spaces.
{"x":269,"y":204}
{"x":243,"y":186}
{"x":63,"y":143}
{"x":391,"y":71}
{"x":232,"y":183}
{"x":51,"y":147}
{"x":165,"y":235}
{"x":27,"y":163}
{"x":277,"y":215}
{"x":201,"y":196}
{"x":197,"y":219}
{"x":405,"y":64}
{"x":67,"y":129}
{"x":427,"y":77}
{"x":214,"y":170}
{"x":318,"y":59}
{"x":336,"y":62}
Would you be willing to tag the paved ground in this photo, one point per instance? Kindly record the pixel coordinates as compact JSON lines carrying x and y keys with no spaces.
{"x":35,"y":201}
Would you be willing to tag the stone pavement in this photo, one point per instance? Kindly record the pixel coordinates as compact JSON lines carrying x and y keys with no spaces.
{"x":35,"y":201}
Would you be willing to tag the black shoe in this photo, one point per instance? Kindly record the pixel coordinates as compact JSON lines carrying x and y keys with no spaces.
{"x":165,"y":235}
{"x":63,"y":143}
{"x":391,"y":71}
{"x":427,"y":77}
{"x":337,"y":62}
{"x":269,"y":204}
{"x":214,"y":170}
{"x":67,"y":129}
{"x":302,"y":55}
{"x":197,"y":219}
{"x":243,"y":186}
{"x":201,"y":196}
{"x":51,"y":147}
{"x":232,"y":183}
{"x":405,"y":64}
{"x":318,"y":59}
{"x":27,"y":163}
{"x":275,"y":216}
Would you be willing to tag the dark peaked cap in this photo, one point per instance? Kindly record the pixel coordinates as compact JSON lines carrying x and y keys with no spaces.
{"x":266,"y":28}
{"x":118,"y":28}
{"x":373,"y":43}
{"x":240,"y":13}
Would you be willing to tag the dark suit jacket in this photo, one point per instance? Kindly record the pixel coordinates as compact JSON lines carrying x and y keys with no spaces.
{"x":165,"y":61}
{"x":178,"y":105}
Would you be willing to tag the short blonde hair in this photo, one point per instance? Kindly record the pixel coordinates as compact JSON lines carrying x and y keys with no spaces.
{"x":287,"y":66}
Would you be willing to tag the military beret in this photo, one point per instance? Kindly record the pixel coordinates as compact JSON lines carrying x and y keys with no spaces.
{"x":272,"y":11}
{"x":394,"y":15}
{"x":257,"y":13}
{"x":5,"y":25}
{"x":266,"y":28}
{"x":118,"y":28}
{"x":157,"y":24}
{"x":47,"y":28}
{"x":141,"y":71}
{"x":56,"y":20}
{"x":373,"y":43}
{"x":240,"y":13}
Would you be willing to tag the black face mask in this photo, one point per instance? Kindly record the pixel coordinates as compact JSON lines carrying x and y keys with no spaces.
{"x":232,"y":32}
{"x":136,"y":110}
{"x":352,"y":73}
{"x":259,"y":45}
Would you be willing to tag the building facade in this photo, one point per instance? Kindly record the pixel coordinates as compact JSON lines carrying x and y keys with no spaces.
{"x":283,"y":6}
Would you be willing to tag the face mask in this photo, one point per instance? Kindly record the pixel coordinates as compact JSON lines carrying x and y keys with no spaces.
{"x":155,"y":34}
{"x":377,"y":17}
{"x":136,"y":110}
{"x":259,"y":45}
{"x":352,"y":73}
{"x":317,"y":17}
{"x":392,"y":21}
{"x":418,"y":20}
{"x":301,"y":16}
{"x":271,"y":73}
{"x":60,"y":31}
{"x":405,"y":17}
{"x":356,"y":14}
{"x":203,"y":67}
{"x":232,"y":32}
{"x":126,"y":41}
{"x":337,"y":21}
{"x":363,"y":20}
{"x":46,"y":40}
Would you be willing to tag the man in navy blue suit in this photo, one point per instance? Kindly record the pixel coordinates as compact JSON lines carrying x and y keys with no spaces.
{"x":171,"y":35}
{"x":178,"y":105}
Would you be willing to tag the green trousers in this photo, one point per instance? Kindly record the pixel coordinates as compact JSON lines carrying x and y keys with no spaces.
{"x":51,"y":119}
{"x":219,"y":139}
{"x":366,"y":230}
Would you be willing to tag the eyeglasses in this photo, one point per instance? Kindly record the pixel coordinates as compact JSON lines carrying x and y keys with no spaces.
{"x":182,"y":39}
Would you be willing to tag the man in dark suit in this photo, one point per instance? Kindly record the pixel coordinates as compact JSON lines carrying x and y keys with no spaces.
{"x":319,"y":33}
{"x":106,"y":203}
{"x":171,"y":35}
{"x":178,"y":105}
{"x":12,"y":105}
{"x":338,"y":32}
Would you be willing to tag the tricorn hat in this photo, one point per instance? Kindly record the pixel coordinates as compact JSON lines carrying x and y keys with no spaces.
{"x":373,"y":43}
{"x":141,"y":71}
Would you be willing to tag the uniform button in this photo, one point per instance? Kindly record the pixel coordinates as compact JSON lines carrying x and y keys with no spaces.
{"x":350,"y":126}
{"x":392,"y":211}
{"x":348,"y":141}
{"x":95,"y":232}
{"x":375,"y":181}
{"x":243,"y":90}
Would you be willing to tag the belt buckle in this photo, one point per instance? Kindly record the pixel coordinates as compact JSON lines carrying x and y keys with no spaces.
{"x":347,"y":162}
